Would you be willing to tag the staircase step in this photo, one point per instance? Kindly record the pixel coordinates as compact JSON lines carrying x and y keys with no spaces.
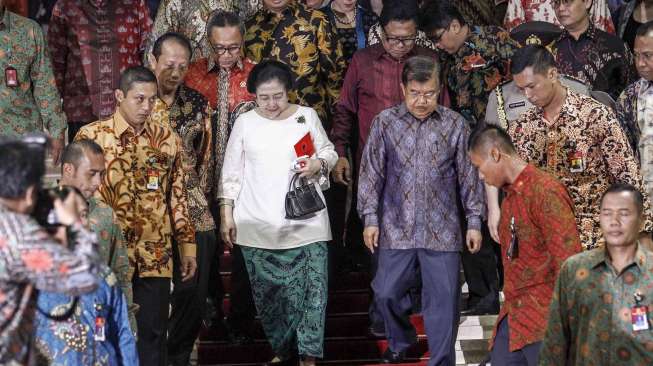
{"x":334,"y":350}
{"x":344,"y":302}
{"x":337,"y":326}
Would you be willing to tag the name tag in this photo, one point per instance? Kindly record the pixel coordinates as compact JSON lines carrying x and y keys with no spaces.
{"x":576,"y":162}
{"x":100,"y":331}
{"x":639,"y":318}
{"x":517,"y":105}
{"x":11,"y":77}
{"x":152,"y":180}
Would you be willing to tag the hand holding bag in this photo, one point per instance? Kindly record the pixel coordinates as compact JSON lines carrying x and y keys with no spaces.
{"x":302,"y":199}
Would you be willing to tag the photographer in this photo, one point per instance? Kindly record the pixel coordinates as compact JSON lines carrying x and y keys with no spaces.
{"x":31,"y":259}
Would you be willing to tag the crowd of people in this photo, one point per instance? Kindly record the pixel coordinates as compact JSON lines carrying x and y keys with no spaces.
{"x":404,"y":138}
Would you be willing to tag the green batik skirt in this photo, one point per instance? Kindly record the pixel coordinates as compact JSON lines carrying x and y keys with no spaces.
{"x":289,"y":287}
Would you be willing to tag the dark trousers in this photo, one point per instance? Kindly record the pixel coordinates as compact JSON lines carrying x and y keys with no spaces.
{"x":501,"y":354}
{"x":152,"y":294}
{"x":189,"y":300}
{"x":396,"y":275}
{"x":243,"y":310}
{"x":481,"y":269}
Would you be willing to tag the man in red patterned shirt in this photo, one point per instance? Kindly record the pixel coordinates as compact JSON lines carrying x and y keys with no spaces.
{"x":537,"y":232}
{"x":222,"y":79}
{"x":92,"y":42}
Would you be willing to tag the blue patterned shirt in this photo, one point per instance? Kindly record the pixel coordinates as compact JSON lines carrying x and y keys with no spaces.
{"x":412,"y":174}
{"x":72,"y":341}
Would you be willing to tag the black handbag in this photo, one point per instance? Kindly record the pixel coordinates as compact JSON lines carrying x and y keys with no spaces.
{"x":302,"y":199}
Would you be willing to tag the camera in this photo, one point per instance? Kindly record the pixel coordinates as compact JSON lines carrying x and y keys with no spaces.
{"x":44,"y":211}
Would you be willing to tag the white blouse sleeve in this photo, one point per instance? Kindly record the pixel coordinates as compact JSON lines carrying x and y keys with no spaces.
{"x":324,"y":147}
{"x":233,"y":168}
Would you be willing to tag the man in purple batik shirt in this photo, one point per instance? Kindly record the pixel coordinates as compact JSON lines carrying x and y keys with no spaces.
{"x":413,"y":171}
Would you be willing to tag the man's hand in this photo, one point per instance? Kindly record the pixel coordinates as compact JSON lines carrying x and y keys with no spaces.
{"x":56,"y":147}
{"x":474,"y":239}
{"x":227,"y":226}
{"x":70,"y":209}
{"x":188,"y":268}
{"x":371,"y":237}
{"x":342,"y":172}
{"x":493,"y":216}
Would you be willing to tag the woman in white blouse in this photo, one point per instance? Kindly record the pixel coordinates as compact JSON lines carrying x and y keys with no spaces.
{"x":286,"y":259}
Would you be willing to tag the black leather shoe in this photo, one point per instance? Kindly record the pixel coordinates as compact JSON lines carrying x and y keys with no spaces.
{"x":393,"y":357}
{"x":488,"y":305}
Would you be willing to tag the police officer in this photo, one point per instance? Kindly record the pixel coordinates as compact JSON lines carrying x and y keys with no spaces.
{"x":506,"y":102}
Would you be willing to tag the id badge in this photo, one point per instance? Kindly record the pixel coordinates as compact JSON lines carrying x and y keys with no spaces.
{"x":152,"y":180}
{"x":11,"y":77}
{"x":639,"y":317}
{"x":100,"y":331}
{"x":576,"y":161}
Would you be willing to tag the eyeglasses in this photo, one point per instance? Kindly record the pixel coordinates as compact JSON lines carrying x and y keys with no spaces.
{"x":427,"y":96}
{"x":438,"y":36}
{"x":404,"y":41}
{"x":220,"y":50}
{"x":645,"y":56}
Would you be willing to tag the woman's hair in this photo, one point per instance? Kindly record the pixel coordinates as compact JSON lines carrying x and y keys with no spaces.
{"x":269,"y":70}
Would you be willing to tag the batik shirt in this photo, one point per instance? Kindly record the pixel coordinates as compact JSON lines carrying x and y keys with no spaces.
{"x":635,"y":112}
{"x":522,"y":11}
{"x":586,"y":149}
{"x":427,"y":166}
{"x":189,"y":17}
{"x":30,"y":260}
{"x":92,"y":42}
{"x":35,"y":103}
{"x":481,"y":63}
{"x":227,"y":93}
{"x":600,"y":59}
{"x":547,"y":235}
{"x":144,"y":185}
{"x":73,"y":341}
{"x":111,"y":245}
{"x":190,"y":117}
{"x":590,"y":321}
{"x":306,"y":41}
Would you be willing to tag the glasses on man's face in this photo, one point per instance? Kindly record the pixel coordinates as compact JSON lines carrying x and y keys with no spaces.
{"x":221,"y":50}
{"x":435,"y":38}
{"x":428,"y":96}
{"x":403,"y":41}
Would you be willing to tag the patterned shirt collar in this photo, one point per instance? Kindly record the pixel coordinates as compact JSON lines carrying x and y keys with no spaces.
{"x":470,"y":42}
{"x":602,"y":257}
{"x":590,"y":33}
{"x":521,"y":183}
{"x":644,"y":85}
{"x":213,"y":65}
{"x":568,"y":108}
{"x":120,"y":125}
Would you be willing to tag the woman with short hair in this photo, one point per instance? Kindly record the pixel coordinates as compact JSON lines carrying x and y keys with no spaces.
{"x":286,"y":259}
